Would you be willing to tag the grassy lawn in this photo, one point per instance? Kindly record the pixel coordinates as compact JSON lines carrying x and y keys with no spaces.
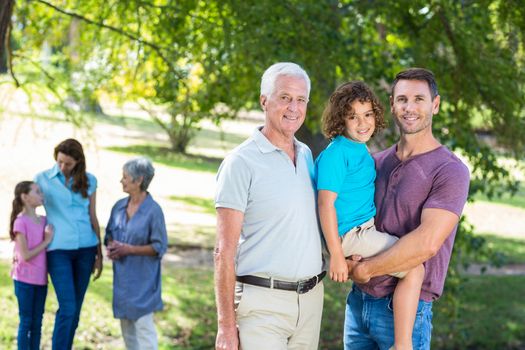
{"x":512,"y":249}
{"x":492,"y":314}
{"x":518,"y":200}
{"x":165,"y":156}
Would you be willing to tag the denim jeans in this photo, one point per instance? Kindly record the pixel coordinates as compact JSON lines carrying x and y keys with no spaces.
{"x":70,"y":271}
{"x":369,"y":323}
{"x":31,"y":302}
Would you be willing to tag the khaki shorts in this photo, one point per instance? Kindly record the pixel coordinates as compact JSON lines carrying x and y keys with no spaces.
{"x":366,"y":241}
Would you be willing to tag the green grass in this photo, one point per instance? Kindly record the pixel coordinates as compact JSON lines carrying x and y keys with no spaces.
{"x":512,"y":249}
{"x":517,"y":200}
{"x":165,"y":156}
{"x":199,"y":204}
{"x":492,"y":314}
{"x":195,"y":235}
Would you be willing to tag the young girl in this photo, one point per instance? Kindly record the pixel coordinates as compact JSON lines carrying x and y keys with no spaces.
{"x":345,"y":174}
{"x":31,"y":236}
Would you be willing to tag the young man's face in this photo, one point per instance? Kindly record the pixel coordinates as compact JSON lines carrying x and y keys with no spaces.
{"x":412,"y":106}
{"x":285,"y":108}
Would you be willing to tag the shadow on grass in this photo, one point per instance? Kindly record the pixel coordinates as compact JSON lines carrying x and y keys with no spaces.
{"x":189,"y":318}
{"x":492,"y":314}
{"x":166,"y":156}
{"x":512,"y":250}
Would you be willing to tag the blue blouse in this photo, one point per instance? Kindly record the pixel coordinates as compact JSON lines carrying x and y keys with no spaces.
{"x":67,"y":211}
{"x":137,"y":278}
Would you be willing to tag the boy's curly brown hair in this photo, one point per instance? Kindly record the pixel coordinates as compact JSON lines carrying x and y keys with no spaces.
{"x":339,"y":107}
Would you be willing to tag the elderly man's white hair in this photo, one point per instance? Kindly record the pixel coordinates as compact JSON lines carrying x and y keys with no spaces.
{"x":281,"y":68}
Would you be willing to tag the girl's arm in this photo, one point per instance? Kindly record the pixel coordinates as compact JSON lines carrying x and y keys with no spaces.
{"x":27,"y":254}
{"x":328,"y":217}
{"x":97,"y":268}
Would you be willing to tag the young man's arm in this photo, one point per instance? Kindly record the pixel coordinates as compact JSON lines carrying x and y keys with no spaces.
{"x":411,"y":250}
{"x":229,"y":224}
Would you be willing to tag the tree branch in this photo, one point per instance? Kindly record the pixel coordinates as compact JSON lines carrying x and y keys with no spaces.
{"x":136,"y":38}
{"x":36,"y":64}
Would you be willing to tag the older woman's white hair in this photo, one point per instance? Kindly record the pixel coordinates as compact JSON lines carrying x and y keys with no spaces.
{"x":140,"y":168}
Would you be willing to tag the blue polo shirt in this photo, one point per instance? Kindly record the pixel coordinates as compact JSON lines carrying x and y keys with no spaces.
{"x":137,"y":278}
{"x":67,"y":211}
{"x":347,"y":168}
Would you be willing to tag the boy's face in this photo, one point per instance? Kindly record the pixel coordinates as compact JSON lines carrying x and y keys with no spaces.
{"x":361,"y":124}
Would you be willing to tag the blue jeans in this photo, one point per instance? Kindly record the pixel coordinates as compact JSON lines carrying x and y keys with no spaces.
{"x":369,"y":323}
{"x":70,"y":271}
{"x":31,"y":302}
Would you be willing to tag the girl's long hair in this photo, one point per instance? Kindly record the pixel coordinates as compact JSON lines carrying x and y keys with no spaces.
{"x":23,"y":187}
{"x":73,"y":148}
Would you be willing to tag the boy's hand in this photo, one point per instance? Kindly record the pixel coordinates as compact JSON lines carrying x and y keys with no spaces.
{"x":338,"y":269}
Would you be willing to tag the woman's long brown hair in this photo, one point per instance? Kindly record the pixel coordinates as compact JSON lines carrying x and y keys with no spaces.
{"x":73,"y":148}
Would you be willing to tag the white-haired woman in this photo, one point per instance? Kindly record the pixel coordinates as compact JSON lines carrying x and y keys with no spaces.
{"x":136,"y":240}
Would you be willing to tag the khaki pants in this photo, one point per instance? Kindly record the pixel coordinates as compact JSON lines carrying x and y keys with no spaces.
{"x":278,"y":319}
{"x":139,"y":334}
{"x":366,"y":241}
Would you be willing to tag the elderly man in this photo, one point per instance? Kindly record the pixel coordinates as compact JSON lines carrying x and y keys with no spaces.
{"x":268,"y":260}
{"x":421,"y":188}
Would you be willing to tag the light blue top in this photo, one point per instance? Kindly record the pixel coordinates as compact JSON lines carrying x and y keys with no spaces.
{"x":67,"y":211}
{"x":280,"y":234}
{"x":137,"y":278}
{"x":347,"y":168}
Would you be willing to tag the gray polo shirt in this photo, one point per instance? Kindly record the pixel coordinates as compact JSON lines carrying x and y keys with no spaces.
{"x":280,"y":234}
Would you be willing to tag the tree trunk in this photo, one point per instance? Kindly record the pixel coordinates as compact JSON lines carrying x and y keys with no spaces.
{"x":6,"y":10}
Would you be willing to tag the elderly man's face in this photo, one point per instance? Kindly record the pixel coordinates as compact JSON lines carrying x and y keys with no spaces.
{"x":285,"y":108}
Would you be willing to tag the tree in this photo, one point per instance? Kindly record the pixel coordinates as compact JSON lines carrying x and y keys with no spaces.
{"x":188,"y":60}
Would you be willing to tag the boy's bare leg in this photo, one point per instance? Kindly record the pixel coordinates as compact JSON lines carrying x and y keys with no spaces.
{"x":406,"y":299}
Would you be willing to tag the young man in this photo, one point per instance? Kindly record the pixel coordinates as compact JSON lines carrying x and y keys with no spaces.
{"x":268,"y":261}
{"x":421,"y":188}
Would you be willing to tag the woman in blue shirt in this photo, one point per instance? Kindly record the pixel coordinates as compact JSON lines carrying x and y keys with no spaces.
{"x":136,"y":241}
{"x":75,"y":251}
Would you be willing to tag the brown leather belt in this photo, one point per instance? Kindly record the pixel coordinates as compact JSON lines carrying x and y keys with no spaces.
{"x":300,"y":287}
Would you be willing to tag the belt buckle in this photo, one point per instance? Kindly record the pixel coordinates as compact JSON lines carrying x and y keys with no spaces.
{"x":305,"y":286}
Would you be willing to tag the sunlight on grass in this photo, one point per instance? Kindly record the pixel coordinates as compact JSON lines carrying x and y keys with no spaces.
{"x":200,"y":204}
{"x":192,"y":236}
{"x":488,"y":305}
{"x":165,"y":156}
{"x":518,"y":200}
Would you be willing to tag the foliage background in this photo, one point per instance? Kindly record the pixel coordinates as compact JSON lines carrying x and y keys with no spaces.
{"x":187,"y":61}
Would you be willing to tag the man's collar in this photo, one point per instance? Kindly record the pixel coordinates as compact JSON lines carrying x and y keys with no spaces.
{"x":265,"y":146}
